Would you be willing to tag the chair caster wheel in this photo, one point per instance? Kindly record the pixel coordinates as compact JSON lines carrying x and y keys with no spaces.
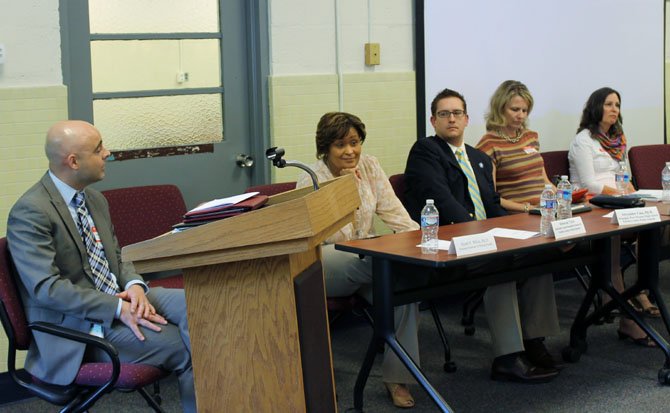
{"x":469,"y":331}
{"x":581,"y":345}
{"x":449,"y":367}
{"x":571,"y":354}
{"x":664,"y":376}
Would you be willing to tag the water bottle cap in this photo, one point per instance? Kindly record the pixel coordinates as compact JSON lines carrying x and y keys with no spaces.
{"x":564,"y":177}
{"x":430,"y":201}
{"x":548,"y":186}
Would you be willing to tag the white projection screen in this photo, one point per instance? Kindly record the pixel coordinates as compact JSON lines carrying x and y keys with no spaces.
{"x":562,"y":50}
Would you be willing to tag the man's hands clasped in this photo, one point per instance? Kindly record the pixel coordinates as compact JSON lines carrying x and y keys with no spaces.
{"x":136,"y":310}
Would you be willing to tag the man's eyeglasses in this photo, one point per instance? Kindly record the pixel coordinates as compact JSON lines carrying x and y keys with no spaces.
{"x":447,"y":113}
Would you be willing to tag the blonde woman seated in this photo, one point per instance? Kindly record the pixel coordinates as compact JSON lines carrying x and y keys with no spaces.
{"x":518,"y":167}
{"x":339,"y":140}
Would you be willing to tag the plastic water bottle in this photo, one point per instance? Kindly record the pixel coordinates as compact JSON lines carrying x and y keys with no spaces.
{"x":622,"y":177}
{"x":564,"y":198}
{"x":430,"y":222}
{"x":548,"y":209}
{"x":665,"y":181}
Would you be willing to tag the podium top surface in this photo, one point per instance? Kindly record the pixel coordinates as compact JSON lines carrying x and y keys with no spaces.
{"x":293,"y":221}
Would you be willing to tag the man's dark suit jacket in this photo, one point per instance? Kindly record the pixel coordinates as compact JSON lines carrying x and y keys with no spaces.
{"x":433,"y":172}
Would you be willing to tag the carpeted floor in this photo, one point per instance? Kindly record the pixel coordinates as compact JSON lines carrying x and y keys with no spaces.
{"x":613,"y":376}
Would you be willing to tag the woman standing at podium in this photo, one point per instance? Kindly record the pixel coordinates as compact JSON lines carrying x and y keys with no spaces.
{"x":339,"y":140}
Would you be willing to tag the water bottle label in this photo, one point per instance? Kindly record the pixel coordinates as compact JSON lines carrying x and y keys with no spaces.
{"x":547,"y":203}
{"x":665,"y":178}
{"x":428,"y":220}
{"x":564,"y":194}
{"x":622,"y":177}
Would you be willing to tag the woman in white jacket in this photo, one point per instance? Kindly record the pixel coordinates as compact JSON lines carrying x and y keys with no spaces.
{"x":594,"y":157}
{"x":600,"y":144}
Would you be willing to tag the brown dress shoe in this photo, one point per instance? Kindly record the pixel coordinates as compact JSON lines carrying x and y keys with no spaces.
{"x":400,"y":395}
{"x":538,"y":355}
{"x":516,"y":367}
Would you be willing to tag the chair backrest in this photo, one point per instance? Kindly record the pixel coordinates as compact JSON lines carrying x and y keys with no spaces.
{"x":556,"y":164}
{"x":398,"y":184}
{"x":13,"y":316}
{"x":646,"y":164}
{"x":143,"y":212}
{"x":272,"y":189}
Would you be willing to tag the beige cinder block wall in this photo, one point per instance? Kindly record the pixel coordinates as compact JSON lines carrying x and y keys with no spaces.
{"x":385,"y":102}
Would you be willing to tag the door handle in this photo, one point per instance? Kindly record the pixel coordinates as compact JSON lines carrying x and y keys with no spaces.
{"x":244,"y":161}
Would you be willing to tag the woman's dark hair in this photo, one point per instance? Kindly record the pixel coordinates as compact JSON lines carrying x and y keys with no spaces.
{"x":333,"y":126}
{"x":593,"y":113}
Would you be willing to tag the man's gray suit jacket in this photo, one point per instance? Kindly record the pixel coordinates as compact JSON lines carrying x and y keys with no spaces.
{"x":55,"y":276}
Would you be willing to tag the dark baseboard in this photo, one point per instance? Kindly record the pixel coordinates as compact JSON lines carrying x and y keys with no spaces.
{"x":11,"y":392}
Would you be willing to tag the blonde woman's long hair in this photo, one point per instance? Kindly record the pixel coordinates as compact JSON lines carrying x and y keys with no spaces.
{"x":495,"y":117}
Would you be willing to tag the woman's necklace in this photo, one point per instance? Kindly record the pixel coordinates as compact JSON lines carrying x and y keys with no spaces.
{"x":510,"y":139}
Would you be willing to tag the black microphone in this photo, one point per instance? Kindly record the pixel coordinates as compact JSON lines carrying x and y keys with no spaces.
{"x":275,"y":155}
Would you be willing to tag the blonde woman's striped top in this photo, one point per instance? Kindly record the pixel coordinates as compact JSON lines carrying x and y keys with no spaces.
{"x":519,"y":166}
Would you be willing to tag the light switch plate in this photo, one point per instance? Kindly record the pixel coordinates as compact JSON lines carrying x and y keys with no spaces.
{"x":372,"y":54}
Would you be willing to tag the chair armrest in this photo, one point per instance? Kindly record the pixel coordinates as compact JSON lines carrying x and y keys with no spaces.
{"x":85,"y":338}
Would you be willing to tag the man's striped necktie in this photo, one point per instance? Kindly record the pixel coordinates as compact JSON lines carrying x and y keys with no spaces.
{"x":103,"y":279}
{"x":473,"y":188}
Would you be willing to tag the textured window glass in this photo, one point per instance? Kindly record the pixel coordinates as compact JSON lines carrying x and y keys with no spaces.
{"x":152,"y":122}
{"x":119,"y":66}
{"x":153,"y":16}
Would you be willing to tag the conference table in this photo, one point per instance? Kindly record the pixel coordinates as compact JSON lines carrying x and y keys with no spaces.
{"x":397,"y":255}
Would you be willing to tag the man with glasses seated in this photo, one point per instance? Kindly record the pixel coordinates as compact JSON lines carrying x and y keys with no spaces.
{"x":460,"y":180}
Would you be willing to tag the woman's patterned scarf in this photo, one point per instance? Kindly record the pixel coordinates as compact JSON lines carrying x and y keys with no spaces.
{"x":614,"y":145}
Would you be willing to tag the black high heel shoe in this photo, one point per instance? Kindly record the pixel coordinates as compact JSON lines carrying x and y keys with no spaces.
{"x":645,"y":341}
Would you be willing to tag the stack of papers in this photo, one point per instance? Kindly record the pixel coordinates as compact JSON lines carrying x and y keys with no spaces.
{"x":650,"y":194}
{"x":222,"y":208}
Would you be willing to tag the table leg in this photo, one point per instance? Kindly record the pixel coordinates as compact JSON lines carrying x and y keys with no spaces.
{"x":648,"y":258}
{"x":607,"y":250}
{"x":382,"y":286}
{"x":601,"y":274}
{"x":649,"y":247}
{"x":364,"y":372}
{"x":647,"y":268}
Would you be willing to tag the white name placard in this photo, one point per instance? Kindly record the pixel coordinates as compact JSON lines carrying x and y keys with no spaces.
{"x":472,"y":244}
{"x":636,"y":216}
{"x":441,"y":245}
{"x":565,"y":228}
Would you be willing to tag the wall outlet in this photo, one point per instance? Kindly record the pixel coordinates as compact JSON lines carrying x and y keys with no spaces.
{"x":2,"y":54}
{"x":372,"y":54}
{"x":182,"y":77}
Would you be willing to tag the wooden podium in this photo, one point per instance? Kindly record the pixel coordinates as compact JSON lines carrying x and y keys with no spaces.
{"x":255,"y":300}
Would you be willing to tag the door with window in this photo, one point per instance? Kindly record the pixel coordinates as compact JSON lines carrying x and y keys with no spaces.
{"x":172,"y":86}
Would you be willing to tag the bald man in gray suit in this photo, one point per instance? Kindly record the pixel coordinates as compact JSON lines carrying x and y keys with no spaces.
{"x":57,"y":282}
